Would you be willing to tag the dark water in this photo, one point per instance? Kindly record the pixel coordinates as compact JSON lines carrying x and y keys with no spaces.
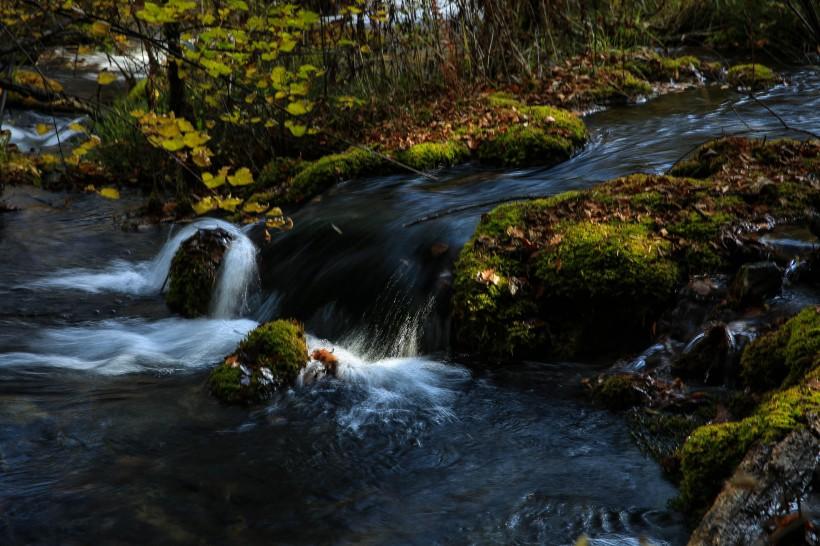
{"x":107,"y":434}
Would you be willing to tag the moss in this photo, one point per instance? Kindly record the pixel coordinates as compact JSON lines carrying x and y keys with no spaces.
{"x":782,"y":357}
{"x":193,"y":272}
{"x":525,"y":145}
{"x":323,"y":173}
{"x":430,"y":155}
{"x":617,"y":392}
{"x":616,"y":85}
{"x":567,"y":124}
{"x":276,"y":172}
{"x":617,"y":275}
{"x":503,"y":99}
{"x":270,"y":357}
{"x":755,"y":76}
{"x":712,"y":452}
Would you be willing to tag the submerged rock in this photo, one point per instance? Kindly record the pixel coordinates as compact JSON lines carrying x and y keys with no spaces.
{"x":755,"y":283}
{"x":192,"y":276}
{"x":270,"y":357}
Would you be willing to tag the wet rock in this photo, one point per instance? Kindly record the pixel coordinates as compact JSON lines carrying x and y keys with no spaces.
{"x":193,"y":272}
{"x":755,"y":283}
{"x":708,"y":357}
{"x":766,"y":481}
{"x":695,"y":304}
{"x":269,"y":358}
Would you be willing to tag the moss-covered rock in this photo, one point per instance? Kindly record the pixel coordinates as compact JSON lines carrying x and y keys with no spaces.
{"x":616,"y":85}
{"x":586,"y":273}
{"x":712,"y":452}
{"x":430,"y":155}
{"x":783,"y":356}
{"x":754,"y":76}
{"x":270,"y":357}
{"x":618,"y":392}
{"x":322,"y":174}
{"x":546,"y":136}
{"x":193,"y":272}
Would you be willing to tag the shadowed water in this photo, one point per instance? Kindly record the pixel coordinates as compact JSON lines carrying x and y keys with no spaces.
{"x":108,"y":434}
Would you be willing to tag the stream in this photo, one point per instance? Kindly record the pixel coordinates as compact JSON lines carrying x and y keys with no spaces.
{"x":108,"y":434}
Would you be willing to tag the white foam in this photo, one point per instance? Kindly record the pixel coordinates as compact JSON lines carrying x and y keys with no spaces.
{"x":149,"y":277}
{"x":116,"y":347}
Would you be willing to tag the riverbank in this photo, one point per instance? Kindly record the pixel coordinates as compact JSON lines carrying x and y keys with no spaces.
{"x":533,"y":423}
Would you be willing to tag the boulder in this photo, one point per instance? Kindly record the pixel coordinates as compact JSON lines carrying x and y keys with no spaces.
{"x":755,"y":283}
{"x":269,"y":358}
{"x":766,"y":481}
{"x":708,"y":357}
{"x":192,"y":276}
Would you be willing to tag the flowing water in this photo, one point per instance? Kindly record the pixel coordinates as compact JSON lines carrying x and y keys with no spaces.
{"x":108,"y":434}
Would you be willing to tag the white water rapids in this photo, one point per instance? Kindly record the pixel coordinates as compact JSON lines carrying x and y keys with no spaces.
{"x":387,"y":378}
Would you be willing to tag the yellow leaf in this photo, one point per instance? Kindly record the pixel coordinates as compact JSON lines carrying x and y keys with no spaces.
{"x":275,"y":211}
{"x":195,"y":139}
{"x":76,"y":127}
{"x":282,"y":223}
{"x":42,"y":128}
{"x":184,"y":125}
{"x":229,"y":203}
{"x":298,"y":108}
{"x":109,"y":193}
{"x":105,"y":77}
{"x":213,"y":181}
{"x":296,"y":129}
{"x":100,"y":28}
{"x":89,"y":188}
{"x":173,"y":145}
{"x":254,"y":208}
{"x":205,"y":205}
{"x":201,"y":156}
{"x":242,"y":177}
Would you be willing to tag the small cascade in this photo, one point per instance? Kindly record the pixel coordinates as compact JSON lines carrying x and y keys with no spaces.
{"x":236,"y":276}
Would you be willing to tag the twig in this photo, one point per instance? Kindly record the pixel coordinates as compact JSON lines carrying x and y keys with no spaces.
{"x":780,"y":119}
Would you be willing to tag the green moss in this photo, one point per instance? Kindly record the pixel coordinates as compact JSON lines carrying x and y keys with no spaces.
{"x":608,"y":260}
{"x":193,"y":272}
{"x":617,"y":85}
{"x":503,"y":99}
{"x":784,"y":356}
{"x":525,"y":145}
{"x":277,"y":172}
{"x":224,"y":383}
{"x":271,"y":356}
{"x":755,"y":76}
{"x":617,"y":392}
{"x":712,"y":452}
{"x":566,"y":123}
{"x":430,"y":155}
{"x":324,"y":173}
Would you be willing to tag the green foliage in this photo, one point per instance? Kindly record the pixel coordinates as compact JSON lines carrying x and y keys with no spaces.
{"x":782,"y":357}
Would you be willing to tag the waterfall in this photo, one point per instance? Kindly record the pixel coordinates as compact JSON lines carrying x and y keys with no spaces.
{"x":236,"y":276}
